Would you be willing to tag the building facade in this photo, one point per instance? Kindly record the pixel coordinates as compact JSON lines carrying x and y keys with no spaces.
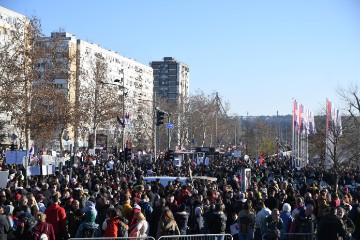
{"x":171,"y":85}
{"x":9,"y":21}
{"x":171,"y":79}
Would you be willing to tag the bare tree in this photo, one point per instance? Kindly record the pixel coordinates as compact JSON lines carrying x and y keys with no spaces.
{"x":99,"y":103}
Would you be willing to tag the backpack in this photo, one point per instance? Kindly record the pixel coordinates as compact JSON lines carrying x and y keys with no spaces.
{"x":41,"y":236}
{"x":87,"y":232}
{"x":219,"y":223}
{"x":170,"y":231}
{"x":244,"y":224}
{"x":123,"y":228}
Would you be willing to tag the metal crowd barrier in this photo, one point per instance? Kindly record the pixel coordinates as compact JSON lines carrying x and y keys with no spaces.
{"x":292,"y":236}
{"x":169,"y":237}
{"x":198,"y":237}
{"x":115,"y":238}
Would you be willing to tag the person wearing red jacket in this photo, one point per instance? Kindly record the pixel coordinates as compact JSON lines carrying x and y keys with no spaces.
{"x":183,"y":195}
{"x":56,"y":216}
{"x":112,"y":228}
{"x":112,"y":224}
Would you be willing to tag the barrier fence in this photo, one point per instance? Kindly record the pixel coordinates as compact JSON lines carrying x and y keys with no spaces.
{"x":291,"y":236}
{"x":115,"y":238}
{"x":170,"y":237}
{"x":198,"y":237}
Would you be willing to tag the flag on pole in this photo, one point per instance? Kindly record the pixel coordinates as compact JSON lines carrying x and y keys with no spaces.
{"x":260,"y":160}
{"x":127,"y":118}
{"x":120,"y":122}
{"x":32,"y":150}
{"x":295,"y":116}
{"x":328,"y":115}
{"x":300,"y":118}
{"x":311,"y":123}
{"x":338,"y":122}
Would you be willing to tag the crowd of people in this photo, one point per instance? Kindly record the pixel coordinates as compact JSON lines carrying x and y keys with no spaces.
{"x":110,"y":198}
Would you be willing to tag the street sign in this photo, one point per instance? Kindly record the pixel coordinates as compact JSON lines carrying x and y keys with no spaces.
{"x":169,"y":125}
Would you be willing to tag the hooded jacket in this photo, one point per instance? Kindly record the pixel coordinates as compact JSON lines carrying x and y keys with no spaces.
{"x":330,"y":227}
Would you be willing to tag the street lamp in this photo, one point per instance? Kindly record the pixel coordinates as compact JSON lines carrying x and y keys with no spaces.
{"x":124,"y":93}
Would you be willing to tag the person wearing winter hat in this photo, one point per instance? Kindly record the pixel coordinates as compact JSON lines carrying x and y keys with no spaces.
{"x":88,"y":228}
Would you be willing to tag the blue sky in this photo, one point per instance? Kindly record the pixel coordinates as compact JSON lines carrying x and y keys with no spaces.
{"x":258,"y":55}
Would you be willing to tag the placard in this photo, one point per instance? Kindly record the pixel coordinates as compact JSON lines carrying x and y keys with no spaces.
{"x":33,"y":171}
{"x":15,"y":157}
{"x":4,"y":179}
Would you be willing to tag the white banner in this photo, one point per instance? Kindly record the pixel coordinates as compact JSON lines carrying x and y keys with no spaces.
{"x":3,"y":179}
{"x":47,"y":159}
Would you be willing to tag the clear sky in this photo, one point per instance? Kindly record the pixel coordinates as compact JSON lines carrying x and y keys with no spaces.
{"x":258,"y":55}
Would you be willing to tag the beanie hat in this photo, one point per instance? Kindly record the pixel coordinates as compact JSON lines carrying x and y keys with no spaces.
{"x":90,"y":216}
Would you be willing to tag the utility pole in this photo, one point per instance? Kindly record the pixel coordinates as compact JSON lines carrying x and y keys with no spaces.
{"x":168,"y":132}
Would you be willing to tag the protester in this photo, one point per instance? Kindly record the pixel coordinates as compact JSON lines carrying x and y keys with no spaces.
{"x":56,"y":216}
{"x":331,"y":226}
{"x":141,"y":228}
{"x":42,"y":228}
{"x":85,"y":194}
{"x":4,"y":225}
{"x":273,"y":226}
{"x":167,"y":224}
{"x":246,"y":222}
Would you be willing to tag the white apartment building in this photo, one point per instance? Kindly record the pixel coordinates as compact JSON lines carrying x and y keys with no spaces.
{"x":8,"y":20}
{"x":135,"y":78}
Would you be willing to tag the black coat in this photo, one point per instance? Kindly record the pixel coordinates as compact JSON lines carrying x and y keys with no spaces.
{"x":181,"y":219}
{"x":4,"y":227}
{"x":330,"y":227}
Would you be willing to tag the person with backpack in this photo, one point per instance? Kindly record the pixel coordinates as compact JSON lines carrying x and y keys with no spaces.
{"x":246,"y":222}
{"x":217,"y":222}
{"x":141,"y":228}
{"x":272,"y":226}
{"x":146,"y":207}
{"x":181,"y":218}
{"x":88,"y":228}
{"x":25,"y":222}
{"x":42,"y":230}
{"x":113,"y":224}
{"x":167,"y":224}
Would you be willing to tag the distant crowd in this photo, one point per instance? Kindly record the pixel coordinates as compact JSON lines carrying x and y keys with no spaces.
{"x":111,"y":199}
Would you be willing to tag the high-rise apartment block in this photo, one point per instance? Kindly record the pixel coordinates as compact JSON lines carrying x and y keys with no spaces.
{"x":171,"y":79}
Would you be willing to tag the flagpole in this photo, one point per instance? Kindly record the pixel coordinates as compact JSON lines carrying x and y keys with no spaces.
{"x":293,"y":136}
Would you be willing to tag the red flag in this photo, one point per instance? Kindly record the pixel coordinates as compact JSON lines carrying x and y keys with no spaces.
{"x":328,"y":114}
{"x":295,"y":115}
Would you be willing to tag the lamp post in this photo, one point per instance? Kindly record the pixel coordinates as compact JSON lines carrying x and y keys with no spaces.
{"x":124,"y":92}
{"x":153,"y":122}
{"x":122,"y":86}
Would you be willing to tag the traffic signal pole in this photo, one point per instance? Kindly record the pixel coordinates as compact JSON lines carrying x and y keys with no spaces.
{"x":168,"y":132}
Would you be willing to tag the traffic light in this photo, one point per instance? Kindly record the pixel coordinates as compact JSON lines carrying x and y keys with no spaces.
{"x":159,"y":117}
{"x":115,"y":152}
{"x":127,"y":154}
{"x":171,"y":155}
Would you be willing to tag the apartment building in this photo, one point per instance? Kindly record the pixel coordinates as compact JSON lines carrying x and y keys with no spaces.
{"x":171,"y":79}
{"x":8,"y":22}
